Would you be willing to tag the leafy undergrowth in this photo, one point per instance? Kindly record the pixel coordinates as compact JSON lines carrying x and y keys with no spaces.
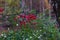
{"x":42,"y":30}
{"x":32,"y":27}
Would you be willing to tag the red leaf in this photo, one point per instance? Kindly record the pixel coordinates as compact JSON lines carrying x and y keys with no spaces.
{"x":1,"y":9}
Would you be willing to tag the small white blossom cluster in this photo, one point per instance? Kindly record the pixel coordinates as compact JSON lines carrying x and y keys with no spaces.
{"x":3,"y":35}
{"x":30,"y":36}
{"x":27,"y":39}
{"x":40,"y":36}
{"x":17,"y":24}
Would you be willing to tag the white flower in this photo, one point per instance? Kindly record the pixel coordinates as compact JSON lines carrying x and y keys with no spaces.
{"x":16,"y":24}
{"x":2,"y":34}
{"x":5,"y":36}
{"x":40,"y":36}
{"x":30,"y":36}
{"x":8,"y":28}
{"x":34,"y":34}
{"x":40,"y":30}
{"x":37,"y":31}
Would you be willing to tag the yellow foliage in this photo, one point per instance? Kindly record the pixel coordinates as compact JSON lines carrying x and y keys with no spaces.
{"x":13,"y":2}
{"x":9,"y":1}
